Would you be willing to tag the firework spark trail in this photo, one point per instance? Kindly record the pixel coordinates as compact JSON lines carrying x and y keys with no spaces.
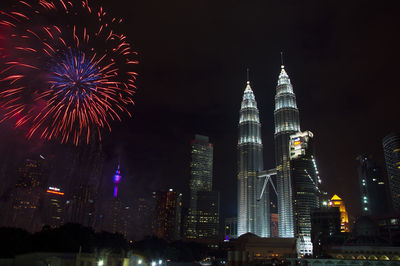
{"x":61,"y":79}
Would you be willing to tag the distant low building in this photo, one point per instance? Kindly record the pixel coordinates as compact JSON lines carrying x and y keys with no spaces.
{"x":250,"y":249}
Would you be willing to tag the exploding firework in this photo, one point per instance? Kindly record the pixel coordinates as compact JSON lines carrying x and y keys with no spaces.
{"x":66,"y":71}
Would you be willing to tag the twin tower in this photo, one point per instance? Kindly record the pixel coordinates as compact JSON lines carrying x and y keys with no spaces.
{"x":253,"y":180}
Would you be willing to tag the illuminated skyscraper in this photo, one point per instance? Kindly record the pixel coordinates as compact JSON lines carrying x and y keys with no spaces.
{"x":201,"y":166}
{"x":372,"y":187}
{"x":391,"y":148}
{"x":203,"y":213}
{"x":286,"y":123}
{"x":337,"y":202}
{"x":252,"y":210}
{"x":305,"y":181}
{"x":54,"y":207}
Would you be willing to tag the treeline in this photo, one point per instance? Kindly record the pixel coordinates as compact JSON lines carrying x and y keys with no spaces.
{"x":67,"y":238}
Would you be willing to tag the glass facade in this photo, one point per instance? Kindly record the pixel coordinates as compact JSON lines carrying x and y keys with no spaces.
{"x":252,"y":211}
{"x":287,"y":123}
{"x":391,"y":148}
{"x":305,"y":177}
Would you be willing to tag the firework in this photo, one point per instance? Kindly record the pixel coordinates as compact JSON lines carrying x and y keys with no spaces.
{"x":66,"y":71}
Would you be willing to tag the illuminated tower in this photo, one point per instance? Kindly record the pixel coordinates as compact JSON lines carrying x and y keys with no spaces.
{"x":116,"y":179}
{"x":391,"y":148}
{"x":337,"y":202}
{"x":305,"y":181}
{"x":286,"y":123}
{"x":252,"y":211}
{"x":117,"y":218}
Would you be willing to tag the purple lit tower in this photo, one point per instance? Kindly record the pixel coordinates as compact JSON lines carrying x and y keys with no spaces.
{"x":116,"y":179}
{"x":117,"y":220}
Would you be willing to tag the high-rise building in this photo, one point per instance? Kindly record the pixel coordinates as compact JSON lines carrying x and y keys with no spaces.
{"x":286,"y":123}
{"x":207,"y":214}
{"x":372,"y":187}
{"x":337,"y":202}
{"x":203,"y":213}
{"x":168,"y":210}
{"x":201,"y":166}
{"x":26,"y":196}
{"x":143,"y":219}
{"x":305,"y":181}
{"x":391,"y":149}
{"x":253,"y":205}
{"x":54,"y":207}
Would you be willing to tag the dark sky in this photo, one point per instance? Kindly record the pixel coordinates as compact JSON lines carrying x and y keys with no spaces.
{"x":342,"y":58}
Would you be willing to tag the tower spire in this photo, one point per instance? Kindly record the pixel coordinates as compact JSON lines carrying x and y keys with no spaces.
{"x":248,"y":76}
{"x":282,"y":65}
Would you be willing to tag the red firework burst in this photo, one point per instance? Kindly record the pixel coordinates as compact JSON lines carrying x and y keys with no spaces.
{"x":67,"y":71}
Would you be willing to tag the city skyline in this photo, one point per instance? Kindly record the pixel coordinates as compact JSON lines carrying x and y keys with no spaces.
{"x":188,"y":84}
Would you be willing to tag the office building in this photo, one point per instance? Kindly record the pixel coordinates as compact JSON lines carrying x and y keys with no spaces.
{"x":305,"y":182}
{"x":201,"y":166}
{"x":391,"y":149}
{"x":167,"y":219}
{"x":54,"y":207}
{"x":287,"y":123}
{"x":203,"y":213}
{"x":253,"y":205}
{"x":372,"y":187}
{"x":142,"y":221}
{"x":26,"y":196}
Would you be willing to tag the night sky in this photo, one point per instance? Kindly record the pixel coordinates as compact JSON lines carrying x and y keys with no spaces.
{"x":341,"y":56}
